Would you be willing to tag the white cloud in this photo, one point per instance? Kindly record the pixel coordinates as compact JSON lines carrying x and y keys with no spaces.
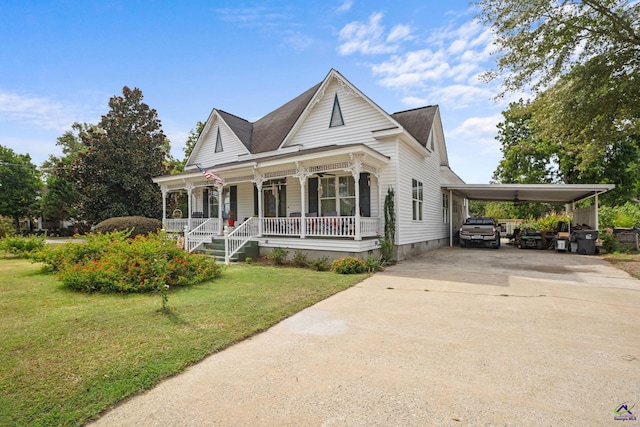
{"x":478,"y":126}
{"x":399,"y":33}
{"x":368,"y":38}
{"x":345,"y":6}
{"x":480,"y":131}
{"x":38,"y":111}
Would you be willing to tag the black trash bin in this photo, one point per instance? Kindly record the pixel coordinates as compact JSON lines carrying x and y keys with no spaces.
{"x":586,"y":240}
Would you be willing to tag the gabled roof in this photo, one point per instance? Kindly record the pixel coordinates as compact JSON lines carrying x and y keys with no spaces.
{"x":241,"y":127}
{"x":418,"y":122}
{"x":270,"y":131}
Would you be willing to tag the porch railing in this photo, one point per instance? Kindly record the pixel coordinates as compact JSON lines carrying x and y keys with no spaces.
{"x":237,"y":238}
{"x":201,"y":234}
{"x":370,"y":227}
{"x":327,"y":226}
{"x":281,"y":226}
{"x":174,"y":225}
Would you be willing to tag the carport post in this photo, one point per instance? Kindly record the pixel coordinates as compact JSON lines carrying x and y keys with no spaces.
{"x":597,"y":219}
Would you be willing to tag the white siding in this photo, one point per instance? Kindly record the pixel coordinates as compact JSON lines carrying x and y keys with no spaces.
{"x":245,"y":201}
{"x":360,"y":118}
{"x":293,"y":195}
{"x":231,"y":146}
{"x":427,"y":171}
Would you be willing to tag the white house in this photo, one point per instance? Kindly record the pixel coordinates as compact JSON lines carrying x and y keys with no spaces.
{"x":313,"y":175}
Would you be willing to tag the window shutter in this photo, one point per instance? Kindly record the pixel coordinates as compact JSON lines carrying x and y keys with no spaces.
{"x":312,"y":183}
{"x":233,"y":202}
{"x":205,"y":203}
{"x":365,"y":194}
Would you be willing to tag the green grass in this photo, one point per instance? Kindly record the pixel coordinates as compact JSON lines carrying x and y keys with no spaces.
{"x":66,"y":356}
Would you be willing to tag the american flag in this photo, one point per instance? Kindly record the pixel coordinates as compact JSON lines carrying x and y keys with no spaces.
{"x":212,"y":176}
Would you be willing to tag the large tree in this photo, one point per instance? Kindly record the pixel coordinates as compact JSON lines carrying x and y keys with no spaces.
{"x":581,"y":59}
{"x":19,"y":186}
{"x":120,"y":156}
{"x":61,"y":199}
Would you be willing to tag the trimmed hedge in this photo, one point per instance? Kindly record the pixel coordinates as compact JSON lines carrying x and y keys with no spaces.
{"x":138,"y":225}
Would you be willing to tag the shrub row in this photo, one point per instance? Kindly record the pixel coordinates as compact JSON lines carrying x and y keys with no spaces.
{"x":22,"y":246}
{"x":345,"y":265}
{"x":113,"y":263}
{"x":351,"y":265}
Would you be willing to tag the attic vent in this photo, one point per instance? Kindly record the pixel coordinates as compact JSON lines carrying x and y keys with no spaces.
{"x":336,"y":114}
{"x":218,"y":143}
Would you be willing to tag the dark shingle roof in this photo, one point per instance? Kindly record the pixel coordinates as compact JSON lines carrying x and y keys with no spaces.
{"x":417,"y":122}
{"x":241,"y":127}
{"x":270,"y":131}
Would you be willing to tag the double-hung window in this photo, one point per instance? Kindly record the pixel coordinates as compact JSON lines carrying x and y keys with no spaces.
{"x":417,"y":199}
{"x":337,"y":195}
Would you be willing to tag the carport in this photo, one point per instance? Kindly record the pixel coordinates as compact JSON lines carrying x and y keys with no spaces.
{"x":568,"y":194}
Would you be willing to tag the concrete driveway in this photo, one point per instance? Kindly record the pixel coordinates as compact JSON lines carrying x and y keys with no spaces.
{"x":460,"y":337}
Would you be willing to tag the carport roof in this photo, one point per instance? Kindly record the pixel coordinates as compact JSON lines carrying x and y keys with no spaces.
{"x":549,"y":193}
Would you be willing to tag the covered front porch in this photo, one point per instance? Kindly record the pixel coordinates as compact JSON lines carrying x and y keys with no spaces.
{"x":310,"y":196}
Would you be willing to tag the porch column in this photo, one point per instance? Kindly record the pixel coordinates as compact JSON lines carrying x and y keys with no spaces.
{"x":260,"y":209}
{"x":189,"y":204}
{"x":356,"y":178}
{"x":164,"y":190}
{"x":302,"y":174}
{"x":219,"y":188}
{"x":597,"y":220}
{"x":380,"y":201}
{"x":355,"y":167}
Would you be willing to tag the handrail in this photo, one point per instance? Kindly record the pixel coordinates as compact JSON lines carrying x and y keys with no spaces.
{"x":237,"y":238}
{"x":201,"y":234}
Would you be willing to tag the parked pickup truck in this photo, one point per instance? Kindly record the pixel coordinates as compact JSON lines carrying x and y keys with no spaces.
{"x":480,"y":231}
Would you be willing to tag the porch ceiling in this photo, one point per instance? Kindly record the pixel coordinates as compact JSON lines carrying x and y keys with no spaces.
{"x":549,"y":193}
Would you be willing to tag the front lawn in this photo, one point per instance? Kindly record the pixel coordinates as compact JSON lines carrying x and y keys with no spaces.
{"x":67,"y":356}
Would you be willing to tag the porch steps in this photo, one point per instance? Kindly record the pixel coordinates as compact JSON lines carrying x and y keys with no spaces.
{"x":216,"y":248}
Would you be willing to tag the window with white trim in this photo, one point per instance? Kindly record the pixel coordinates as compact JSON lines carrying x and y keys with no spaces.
{"x":445,"y":208}
{"x":417,"y":197}
{"x":337,"y":195}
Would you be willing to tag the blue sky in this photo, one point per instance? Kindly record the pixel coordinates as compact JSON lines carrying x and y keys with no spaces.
{"x":61,"y":61}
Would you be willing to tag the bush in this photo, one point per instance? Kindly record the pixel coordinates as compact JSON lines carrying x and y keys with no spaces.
{"x":300,"y":258}
{"x":348,"y":265}
{"x":6,"y":227}
{"x":137,"y":225}
{"x":114,"y":263}
{"x":373,"y":264}
{"x":277,"y":256}
{"x":22,"y":246}
{"x":320,"y":264}
{"x":610,"y":243}
{"x":95,"y":245}
{"x":625,"y":216}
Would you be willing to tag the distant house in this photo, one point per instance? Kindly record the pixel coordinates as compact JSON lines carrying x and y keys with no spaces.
{"x":313,"y":175}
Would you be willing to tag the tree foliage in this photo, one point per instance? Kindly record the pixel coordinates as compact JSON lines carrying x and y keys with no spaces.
{"x":539,"y":41}
{"x":61,"y":198}
{"x":526,"y":159}
{"x":20,"y":185}
{"x":581,"y":59}
{"x":118,"y":158}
